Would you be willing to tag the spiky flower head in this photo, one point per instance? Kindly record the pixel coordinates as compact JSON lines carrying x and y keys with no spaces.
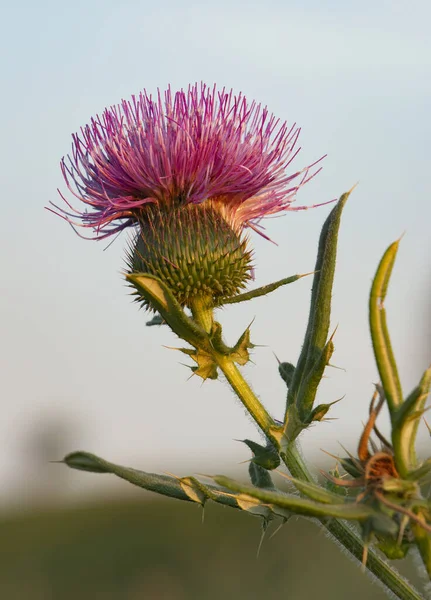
{"x":147,"y":162}
{"x":194,"y":250}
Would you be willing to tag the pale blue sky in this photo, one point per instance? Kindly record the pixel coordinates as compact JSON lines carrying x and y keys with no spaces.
{"x":356,"y":77}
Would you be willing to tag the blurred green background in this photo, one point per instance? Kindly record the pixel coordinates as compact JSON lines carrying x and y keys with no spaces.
{"x":143,"y":547}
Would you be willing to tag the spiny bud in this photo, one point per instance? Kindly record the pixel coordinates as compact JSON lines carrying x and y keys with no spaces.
{"x":193,"y":249}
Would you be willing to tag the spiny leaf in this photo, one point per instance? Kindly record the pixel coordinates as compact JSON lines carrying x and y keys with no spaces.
{"x":160,"y":484}
{"x":265,"y":456}
{"x":318,"y":413}
{"x":253,"y":506}
{"x":240,"y":353}
{"x":259,"y":476}
{"x":308,"y":390}
{"x":320,"y":307}
{"x":207,"y":367}
{"x":301,"y":506}
{"x":421,"y":472}
{"x":286,"y":371}
{"x":262,"y":291}
{"x":313,"y":491}
{"x":405,"y":423}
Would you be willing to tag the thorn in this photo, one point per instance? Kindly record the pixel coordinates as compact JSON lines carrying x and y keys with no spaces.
{"x":261,"y":541}
{"x":428,"y":427}
{"x":337,"y":401}
{"x":380,"y":390}
{"x":206,"y":476}
{"x":172,"y":475}
{"x":63,"y":462}
{"x":337,"y":458}
{"x":335,"y":367}
{"x":355,"y":461}
{"x":333,"y":333}
{"x":352,"y":188}
{"x":285,"y":475}
{"x":278,"y":528}
{"x":364,"y":558}
{"x":403,"y":525}
{"x":338,"y":480}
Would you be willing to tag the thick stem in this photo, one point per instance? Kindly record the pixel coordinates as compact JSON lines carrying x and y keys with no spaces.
{"x":245,"y":394}
{"x":350,"y":539}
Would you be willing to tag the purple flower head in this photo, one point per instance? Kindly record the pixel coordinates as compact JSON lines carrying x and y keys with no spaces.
{"x":183,"y":148}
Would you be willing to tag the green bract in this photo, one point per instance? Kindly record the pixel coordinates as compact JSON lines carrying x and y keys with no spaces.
{"x":194,"y":250}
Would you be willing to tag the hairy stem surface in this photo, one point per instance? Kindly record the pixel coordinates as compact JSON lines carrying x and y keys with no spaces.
{"x":342,"y":532}
{"x":350,"y":539}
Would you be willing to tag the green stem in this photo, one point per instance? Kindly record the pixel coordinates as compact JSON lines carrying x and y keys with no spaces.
{"x":246,"y":395}
{"x":350,"y":539}
{"x":293,"y":461}
{"x":202,"y":311}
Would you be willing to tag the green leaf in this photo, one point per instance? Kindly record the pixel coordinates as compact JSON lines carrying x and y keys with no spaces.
{"x":421,"y":472}
{"x":315,"y":491}
{"x":319,"y":412}
{"x":405,"y":422}
{"x":308,"y":390}
{"x":383,"y":353}
{"x":286,"y":371}
{"x":188,"y":489}
{"x":262,"y":291}
{"x":259,"y":476}
{"x":301,"y":391}
{"x":265,"y":456}
{"x":156,"y":320}
{"x":300,"y":506}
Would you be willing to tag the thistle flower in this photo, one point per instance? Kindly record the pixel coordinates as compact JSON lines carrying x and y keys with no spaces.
{"x":203,"y":155}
